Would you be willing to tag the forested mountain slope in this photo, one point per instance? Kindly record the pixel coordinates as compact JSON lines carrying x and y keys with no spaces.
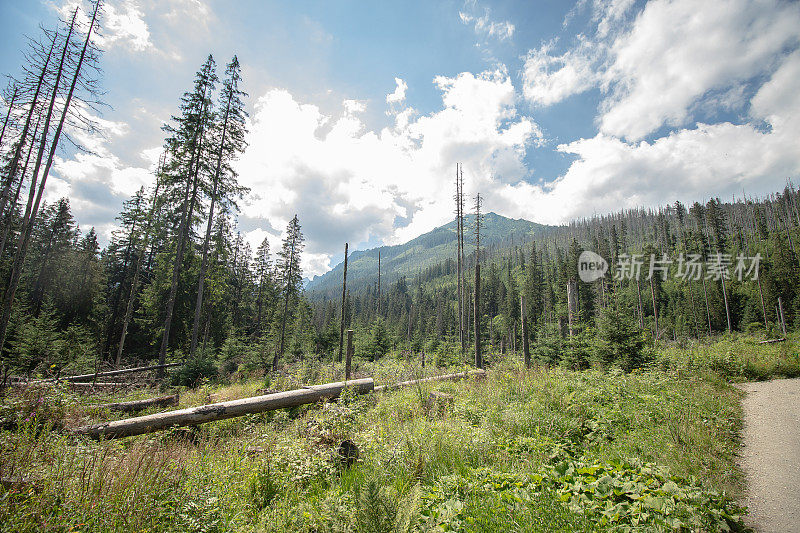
{"x":427,"y":250}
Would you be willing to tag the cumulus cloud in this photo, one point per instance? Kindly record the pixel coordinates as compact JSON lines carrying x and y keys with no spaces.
{"x":549,"y":79}
{"x":673,"y":58}
{"x":721,"y":159}
{"x":353,"y":184}
{"x":399,"y":94}
{"x":677,"y":51}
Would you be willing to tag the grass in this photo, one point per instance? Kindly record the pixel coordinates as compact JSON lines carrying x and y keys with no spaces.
{"x":539,"y":450}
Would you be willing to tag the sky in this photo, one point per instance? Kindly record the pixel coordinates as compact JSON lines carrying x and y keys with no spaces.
{"x":359,"y":111}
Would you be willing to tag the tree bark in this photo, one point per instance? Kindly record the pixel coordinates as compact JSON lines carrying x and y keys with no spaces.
{"x":478,"y":354}
{"x":571,"y":305}
{"x":446,"y":377}
{"x":727,"y":309}
{"x":8,"y":114}
{"x":763,"y":307}
{"x":655,"y":308}
{"x":708,"y":311}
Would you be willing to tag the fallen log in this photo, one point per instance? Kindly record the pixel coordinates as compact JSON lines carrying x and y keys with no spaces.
{"x":446,"y":377}
{"x":97,"y":385}
{"x":770,"y":341}
{"x":220,"y":411}
{"x":138,"y":405}
{"x":84,"y":377}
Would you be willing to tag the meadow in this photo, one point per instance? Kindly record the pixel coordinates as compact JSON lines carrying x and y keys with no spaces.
{"x":545,"y":449}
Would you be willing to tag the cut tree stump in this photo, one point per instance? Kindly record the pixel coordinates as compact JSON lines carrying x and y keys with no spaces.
{"x":220,"y":411}
{"x":439,"y":403}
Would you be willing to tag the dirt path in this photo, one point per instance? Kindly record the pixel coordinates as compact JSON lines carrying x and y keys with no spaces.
{"x":771,"y":454}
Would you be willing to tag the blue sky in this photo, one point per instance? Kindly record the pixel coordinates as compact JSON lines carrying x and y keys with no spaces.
{"x":360,"y":110}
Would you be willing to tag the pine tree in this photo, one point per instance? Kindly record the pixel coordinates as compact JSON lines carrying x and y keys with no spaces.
{"x":291,"y":277}
{"x":229,"y":140}
{"x":185,"y":172}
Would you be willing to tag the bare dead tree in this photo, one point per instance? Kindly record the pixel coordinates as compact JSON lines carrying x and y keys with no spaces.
{"x":344,"y":302}
{"x":31,"y":214}
{"x":477,"y":298}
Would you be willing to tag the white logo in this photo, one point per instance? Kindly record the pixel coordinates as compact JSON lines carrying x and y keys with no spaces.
{"x":591,"y":266}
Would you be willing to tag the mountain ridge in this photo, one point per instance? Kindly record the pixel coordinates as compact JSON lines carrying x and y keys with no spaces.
{"x":421,"y":252}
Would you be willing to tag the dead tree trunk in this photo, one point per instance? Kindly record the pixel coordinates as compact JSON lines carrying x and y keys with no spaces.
{"x":344,"y":302}
{"x":19,"y":257}
{"x":655,"y":308}
{"x":708,"y":311}
{"x":445,"y":377}
{"x":523,"y":318}
{"x":84,"y":377}
{"x":571,"y":305}
{"x":221,"y":411}
{"x":349,"y":357}
{"x":478,"y":354}
{"x":8,"y":114}
{"x":763,"y":307}
{"x":641,"y":307}
{"x":727,"y":309}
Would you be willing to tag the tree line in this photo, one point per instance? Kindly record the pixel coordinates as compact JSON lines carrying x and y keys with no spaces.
{"x":176,"y":281}
{"x":704,"y":269}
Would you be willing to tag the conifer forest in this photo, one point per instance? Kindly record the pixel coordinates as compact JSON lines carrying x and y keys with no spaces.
{"x":182,"y":368}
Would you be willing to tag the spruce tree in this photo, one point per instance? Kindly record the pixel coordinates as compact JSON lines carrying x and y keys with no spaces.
{"x":291,"y":277}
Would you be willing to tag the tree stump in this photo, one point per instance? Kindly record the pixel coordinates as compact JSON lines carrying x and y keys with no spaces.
{"x":347,"y":453}
{"x":439,"y":403}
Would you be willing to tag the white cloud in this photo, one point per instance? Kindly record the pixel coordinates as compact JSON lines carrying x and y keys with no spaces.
{"x":122,"y":23}
{"x":549,"y":79}
{"x":677,"y":51}
{"x":399,"y":94}
{"x":721,"y":159}
{"x":353,"y":184}
{"x":485,"y":27}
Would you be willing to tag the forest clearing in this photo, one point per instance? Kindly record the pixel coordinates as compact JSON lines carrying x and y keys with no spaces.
{"x":258,"y":297}
{"x":537,"y":450}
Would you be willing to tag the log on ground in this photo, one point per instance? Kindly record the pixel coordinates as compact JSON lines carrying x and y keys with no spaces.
{"x":446,"y":377}
{"x":86,"y":377}
{"x":220,"y":411}
{"x":139,"y":405}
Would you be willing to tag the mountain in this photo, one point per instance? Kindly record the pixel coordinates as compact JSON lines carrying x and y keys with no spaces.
{"x":424,"y":251}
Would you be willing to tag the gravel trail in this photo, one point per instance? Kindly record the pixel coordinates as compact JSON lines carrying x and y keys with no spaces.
{"x":771,"y":454}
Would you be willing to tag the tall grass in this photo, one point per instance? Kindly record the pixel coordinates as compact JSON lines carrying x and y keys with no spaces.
{"x":476,"y":466}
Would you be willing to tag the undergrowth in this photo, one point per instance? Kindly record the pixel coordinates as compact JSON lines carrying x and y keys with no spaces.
{"x":538,"y":450}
